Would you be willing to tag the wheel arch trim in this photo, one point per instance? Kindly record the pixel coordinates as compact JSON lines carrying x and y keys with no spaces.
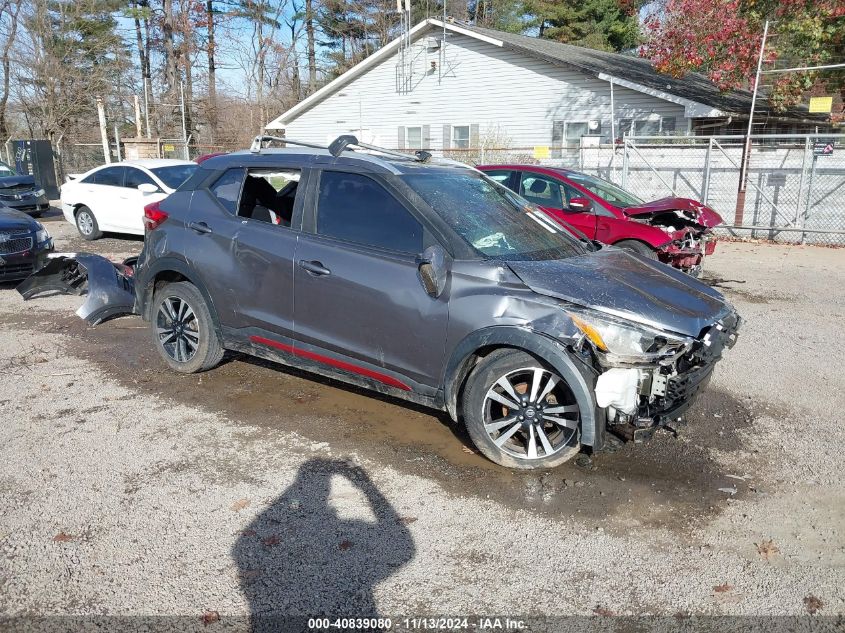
{"x":524,"y":339}
{"x":145,"y":290}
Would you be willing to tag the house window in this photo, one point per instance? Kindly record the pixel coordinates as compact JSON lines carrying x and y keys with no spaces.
{"x":575,"y":130}
{"x":460,"y":137}
{"x":414,"y":138}
{"x":646,"y":127}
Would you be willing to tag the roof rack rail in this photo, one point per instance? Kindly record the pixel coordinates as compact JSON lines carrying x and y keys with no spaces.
{"x":258,"y":142}
{"x":338,"y":146}
{"x":346,"y":141}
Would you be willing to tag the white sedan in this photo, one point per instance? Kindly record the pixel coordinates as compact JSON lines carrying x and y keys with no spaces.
{"x":113,"y":197}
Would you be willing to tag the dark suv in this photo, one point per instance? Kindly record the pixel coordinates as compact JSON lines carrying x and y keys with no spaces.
{"x":426,"y":280}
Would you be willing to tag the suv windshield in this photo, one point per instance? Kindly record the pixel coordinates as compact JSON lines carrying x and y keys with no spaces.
{"x":606,"y":190}
{"x":174,"y":175}
{"x":492,"y":219}
{"x":5,"y":170}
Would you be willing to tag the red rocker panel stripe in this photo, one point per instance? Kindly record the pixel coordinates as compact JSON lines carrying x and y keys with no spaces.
{"x":333,"y":362}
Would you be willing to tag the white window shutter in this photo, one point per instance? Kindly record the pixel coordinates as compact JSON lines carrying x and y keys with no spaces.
{"x":400,"y":136}
{"x":447,"y":137}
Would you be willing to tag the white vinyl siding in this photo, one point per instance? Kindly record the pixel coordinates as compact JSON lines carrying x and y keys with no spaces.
{"x":489,"y":88}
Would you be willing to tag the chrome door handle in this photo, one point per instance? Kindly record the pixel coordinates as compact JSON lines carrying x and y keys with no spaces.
{"x":200,"y":227}
{"x":314,"y":267}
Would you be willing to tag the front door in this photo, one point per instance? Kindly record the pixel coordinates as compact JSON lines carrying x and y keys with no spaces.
{"x":553,"y":196}
{"x":357,"y":293}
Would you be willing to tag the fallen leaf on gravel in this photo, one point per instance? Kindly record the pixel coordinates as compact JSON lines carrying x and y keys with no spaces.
{"x":271,"y":540}
{"x":250,"y":574}
{"x":722,"y":588}
{"x":345,"y":545}
{"x":407,"y":520}
{"x":603,"y":611}
{"x":240,"y":504}
{"x":209,"y":617}
{"x":812,"y":604}
{"x":767,"y":549}
{"x":62,"y":537}
{"x":249,"y":532}
{"x":467,"y":449}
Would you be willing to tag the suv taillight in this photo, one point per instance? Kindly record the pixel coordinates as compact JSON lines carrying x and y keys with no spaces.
{"x":153,"y":216}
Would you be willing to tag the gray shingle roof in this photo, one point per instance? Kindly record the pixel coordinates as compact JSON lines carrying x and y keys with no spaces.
{"x":692,"y":86}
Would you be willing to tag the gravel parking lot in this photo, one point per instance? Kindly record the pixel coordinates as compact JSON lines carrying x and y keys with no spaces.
{"x":127,"y":489}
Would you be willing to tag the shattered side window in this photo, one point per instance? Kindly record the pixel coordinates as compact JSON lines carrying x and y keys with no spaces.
{"x":227,"y":189}
{"x":495,"y":221}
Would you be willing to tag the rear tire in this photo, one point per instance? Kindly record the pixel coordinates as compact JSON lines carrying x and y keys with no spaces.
{"x":539,"y":428}
{"x":87,"y":225}
{"x":182,"y":329}
{"x":638,"y":247}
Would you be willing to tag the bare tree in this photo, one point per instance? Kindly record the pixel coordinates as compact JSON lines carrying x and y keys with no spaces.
{"x":9,"y":11}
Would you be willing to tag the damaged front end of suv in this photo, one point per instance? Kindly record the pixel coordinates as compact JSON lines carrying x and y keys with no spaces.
{"x":649,"y":377}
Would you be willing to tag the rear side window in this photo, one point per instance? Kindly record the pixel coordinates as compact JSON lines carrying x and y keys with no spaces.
{"x":502,"y":176}
{"x":135,"y":177}
{"x":358,"y":209}
{"x":227,"y":189}
{"x":269,"y":195}
{"x":111,"y":176}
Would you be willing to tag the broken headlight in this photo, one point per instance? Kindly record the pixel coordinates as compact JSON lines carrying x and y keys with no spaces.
{"x":41,"y":235}
{"x":622,"y":342}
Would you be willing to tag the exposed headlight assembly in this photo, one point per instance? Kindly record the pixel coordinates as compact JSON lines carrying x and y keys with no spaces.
{"x":38,"y":193}
{"x":622,"y":342}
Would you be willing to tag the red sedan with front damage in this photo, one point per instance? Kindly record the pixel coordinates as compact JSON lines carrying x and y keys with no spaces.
{"x":676,"y":231}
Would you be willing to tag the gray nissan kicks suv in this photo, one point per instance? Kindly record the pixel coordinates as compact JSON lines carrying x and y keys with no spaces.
{"x":426,"y":280}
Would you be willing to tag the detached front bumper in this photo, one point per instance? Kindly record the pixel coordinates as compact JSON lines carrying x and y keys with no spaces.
{"x":687,"y":253}
{"x":110,"y":287}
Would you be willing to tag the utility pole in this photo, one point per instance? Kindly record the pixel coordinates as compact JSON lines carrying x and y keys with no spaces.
{"x":104,"y":134}
{"x":137,"y":117}
{"x":746,"y":148}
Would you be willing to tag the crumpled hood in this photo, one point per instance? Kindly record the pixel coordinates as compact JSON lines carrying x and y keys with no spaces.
{"x":618,"y":282}
{"x":692,"y":209}
{"x":13,"y":220}
{"x":11,"y":181}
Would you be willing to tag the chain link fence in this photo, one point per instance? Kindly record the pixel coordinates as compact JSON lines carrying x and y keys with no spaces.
{"x":795,"y":191}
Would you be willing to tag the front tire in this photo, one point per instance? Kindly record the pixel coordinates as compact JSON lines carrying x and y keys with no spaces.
{"x":182,"y":329}
{"x":520,"y":413}
{"x":87,"y":225}
{"x":638,"y":247}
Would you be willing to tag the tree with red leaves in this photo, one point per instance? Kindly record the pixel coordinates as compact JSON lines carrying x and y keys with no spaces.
{"x":721,"y":39}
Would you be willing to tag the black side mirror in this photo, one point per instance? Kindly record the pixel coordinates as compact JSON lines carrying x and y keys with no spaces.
{"x":433,"y":268}
{"x":580,"y":205}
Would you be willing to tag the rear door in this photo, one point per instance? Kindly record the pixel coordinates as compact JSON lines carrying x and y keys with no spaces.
{"x":552,"y":196}
{"x":358,"y":300}
{"x":270,"y":214}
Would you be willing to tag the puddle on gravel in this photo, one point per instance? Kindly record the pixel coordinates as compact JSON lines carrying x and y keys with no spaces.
{"x":668,"y":482}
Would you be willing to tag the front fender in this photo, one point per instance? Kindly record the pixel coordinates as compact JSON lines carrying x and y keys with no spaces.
{"x":579,"y":377}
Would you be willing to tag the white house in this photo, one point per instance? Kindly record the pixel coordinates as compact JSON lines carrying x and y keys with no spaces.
{"x":451,"y":86}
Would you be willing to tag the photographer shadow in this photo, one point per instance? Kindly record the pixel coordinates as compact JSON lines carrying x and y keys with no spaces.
{"x":300,"y":558}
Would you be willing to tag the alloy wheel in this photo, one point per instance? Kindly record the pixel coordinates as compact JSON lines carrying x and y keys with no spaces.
{"x":177,"y":329}
{"x":85,"y":223}
{"x":530,"y":413}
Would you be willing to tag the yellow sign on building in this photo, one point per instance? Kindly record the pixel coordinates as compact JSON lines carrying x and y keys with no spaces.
{"x":821,"y":105}
{"x":541,"y":151}
{"x":168,"y":148}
